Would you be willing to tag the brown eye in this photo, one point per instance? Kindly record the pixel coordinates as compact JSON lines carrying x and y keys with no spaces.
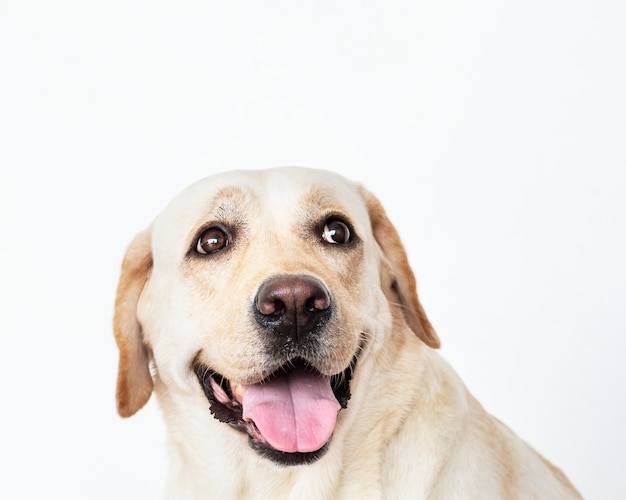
{"x":212,"y":240}
{"x":336,"y":232}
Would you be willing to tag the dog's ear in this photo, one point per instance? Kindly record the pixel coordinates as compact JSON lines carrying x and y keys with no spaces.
{"x":134,"y":382}
{"x":399,"y":275}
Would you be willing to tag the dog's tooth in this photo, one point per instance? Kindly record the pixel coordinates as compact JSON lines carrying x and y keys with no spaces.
{"x":239,"y":391}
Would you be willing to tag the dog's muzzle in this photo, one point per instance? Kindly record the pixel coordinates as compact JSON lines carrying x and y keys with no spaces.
{"x":290,"y":415}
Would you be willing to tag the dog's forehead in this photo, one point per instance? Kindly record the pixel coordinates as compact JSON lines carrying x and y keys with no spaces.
{"x":276,"y":192}
{"x":271,"y":188}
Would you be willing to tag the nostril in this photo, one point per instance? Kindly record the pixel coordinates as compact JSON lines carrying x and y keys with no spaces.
{"x":269,"y":307}
{"x":318,"y":303}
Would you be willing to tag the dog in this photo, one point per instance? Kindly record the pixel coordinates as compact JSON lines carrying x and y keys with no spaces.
{"x":275,"y":316}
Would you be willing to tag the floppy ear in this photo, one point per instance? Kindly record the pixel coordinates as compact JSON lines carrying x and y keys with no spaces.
{"x":134,"y":382}
{"x":399,"y":273}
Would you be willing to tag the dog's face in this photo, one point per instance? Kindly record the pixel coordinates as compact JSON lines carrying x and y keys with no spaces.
{"x":260,"y":292}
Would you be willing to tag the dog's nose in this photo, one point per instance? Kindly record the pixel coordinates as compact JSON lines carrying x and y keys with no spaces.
{"x":293,"y":305}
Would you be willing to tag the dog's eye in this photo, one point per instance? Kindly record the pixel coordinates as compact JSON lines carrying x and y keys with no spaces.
{"x":336,"y":232}
{"x":212,"y":240}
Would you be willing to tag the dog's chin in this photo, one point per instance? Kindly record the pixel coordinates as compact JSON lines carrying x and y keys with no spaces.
{"x":226,"y":405}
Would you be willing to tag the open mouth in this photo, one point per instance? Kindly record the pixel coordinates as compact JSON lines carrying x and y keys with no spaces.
{"x":289,"y":416}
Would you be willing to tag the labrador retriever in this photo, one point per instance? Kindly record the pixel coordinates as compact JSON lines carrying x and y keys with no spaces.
{"x":275,"y":316}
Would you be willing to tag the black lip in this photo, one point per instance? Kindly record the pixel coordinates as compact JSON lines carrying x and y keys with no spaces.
{"x":231,"y":413}
{"x":288,"y":459}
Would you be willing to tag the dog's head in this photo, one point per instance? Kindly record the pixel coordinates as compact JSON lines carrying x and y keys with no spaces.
{"x":256,"y":293}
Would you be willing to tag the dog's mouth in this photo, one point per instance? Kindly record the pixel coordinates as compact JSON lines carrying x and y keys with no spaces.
{"x":289,"y":416}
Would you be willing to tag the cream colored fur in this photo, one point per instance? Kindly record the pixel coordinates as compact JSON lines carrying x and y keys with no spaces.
{"x":410,"y":430}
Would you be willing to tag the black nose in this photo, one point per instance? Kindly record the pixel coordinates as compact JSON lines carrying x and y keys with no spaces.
{"x":293,"y":305}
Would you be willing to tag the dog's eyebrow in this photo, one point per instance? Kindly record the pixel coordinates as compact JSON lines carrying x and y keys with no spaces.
{"x":226,"y":205}
{"x":321,"y":203}
{"x":322,"y":200}
{"x":318,"y":197}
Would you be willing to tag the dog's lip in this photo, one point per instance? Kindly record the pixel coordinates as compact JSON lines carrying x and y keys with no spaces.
{"x":225,"y":398}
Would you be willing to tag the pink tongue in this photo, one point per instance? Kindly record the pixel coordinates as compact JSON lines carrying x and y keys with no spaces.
{"x":294,"y":412}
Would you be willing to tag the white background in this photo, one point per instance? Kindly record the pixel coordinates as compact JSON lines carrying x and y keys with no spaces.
{"x":494,"y":133}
